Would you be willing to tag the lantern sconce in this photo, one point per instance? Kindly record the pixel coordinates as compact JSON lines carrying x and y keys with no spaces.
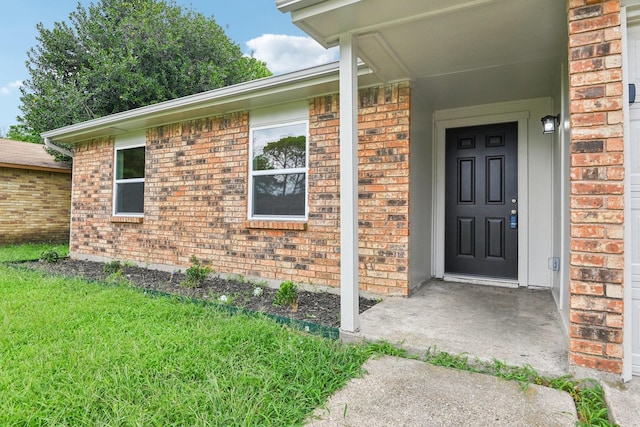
{"x":549,"y":124}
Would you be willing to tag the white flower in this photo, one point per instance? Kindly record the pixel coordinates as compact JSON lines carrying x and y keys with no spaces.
{"x":223,"y":298}
{"x":257,"y":291}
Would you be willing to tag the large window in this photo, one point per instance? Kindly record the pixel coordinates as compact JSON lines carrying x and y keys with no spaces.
{"x":278,"y":172}
{"x":129,"y":181}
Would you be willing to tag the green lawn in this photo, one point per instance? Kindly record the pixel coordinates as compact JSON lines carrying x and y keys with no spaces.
{"x":30,"y":251}
{"x":77,"y":353}
{"x":74,"y":353}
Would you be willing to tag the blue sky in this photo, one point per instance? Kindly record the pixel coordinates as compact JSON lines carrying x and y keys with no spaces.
{"x":256,"y":25}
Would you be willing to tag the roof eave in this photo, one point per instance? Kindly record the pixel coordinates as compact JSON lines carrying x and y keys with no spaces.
{"x":285,"y":6}
{"x":243,"y":96}
{"x":64,"y":168}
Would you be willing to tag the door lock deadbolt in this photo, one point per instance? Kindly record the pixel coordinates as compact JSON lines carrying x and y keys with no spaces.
{"x":513,"y":219}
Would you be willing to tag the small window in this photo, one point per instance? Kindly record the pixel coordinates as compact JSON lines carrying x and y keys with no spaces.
{"x":278,"y":172}
{"x":129,"y":182}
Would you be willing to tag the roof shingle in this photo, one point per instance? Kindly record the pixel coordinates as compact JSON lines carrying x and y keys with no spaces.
{"x":26,"y":155}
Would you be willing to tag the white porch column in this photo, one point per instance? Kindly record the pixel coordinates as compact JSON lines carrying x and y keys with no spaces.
{"x":349,"y":304}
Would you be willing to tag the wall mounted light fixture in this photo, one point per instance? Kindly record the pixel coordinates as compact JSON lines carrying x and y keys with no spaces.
{"x":549,"y":123}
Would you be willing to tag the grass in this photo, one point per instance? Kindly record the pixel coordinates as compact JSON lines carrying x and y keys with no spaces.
{"x":86,"y":354}
{"x":30,"y":251}
{"x":78,"y":353}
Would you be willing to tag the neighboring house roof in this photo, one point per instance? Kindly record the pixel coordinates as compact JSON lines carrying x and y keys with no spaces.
{"x":27,"y":155}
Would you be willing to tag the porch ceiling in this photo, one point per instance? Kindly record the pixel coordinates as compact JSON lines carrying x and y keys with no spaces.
{"x":458,"y":52}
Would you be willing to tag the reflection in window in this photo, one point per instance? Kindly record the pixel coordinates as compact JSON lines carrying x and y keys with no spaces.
{"x":279,"y":194}
{"x":279,"y":171}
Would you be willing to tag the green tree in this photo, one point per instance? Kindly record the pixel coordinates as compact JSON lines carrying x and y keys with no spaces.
{"x":20,"y":132}
{"x":116,"y":55}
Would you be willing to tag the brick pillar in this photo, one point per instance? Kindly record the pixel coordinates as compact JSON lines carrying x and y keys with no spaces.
{"x":597,"y":187}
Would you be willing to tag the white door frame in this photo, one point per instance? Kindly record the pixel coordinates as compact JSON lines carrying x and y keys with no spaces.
{"x":472,"y":116}
{"x":627,"y":16}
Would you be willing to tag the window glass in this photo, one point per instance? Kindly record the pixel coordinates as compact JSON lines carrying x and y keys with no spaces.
{"x":279,"y":194}
{"x":129,"y":183}
{"x":130,"y":163}
{"x":278,"y":170}
{"x":282,"y":147}
{"x":130,"y":197}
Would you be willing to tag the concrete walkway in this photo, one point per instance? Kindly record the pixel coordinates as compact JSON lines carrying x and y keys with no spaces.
{"x":623,"y":401}
{"x":404,"y":392}
{"x":516,"y":326}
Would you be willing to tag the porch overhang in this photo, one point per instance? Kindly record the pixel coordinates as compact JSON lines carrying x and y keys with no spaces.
{"x":457,"y":52}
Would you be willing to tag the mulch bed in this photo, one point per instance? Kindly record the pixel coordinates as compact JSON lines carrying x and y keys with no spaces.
{"x":321,"y":308}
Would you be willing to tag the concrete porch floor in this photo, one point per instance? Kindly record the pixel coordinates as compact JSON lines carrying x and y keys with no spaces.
{"x":516,"y":326}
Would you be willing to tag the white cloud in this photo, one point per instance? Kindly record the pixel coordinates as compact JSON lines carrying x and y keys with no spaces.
{"x":9,"y":87}
{"x":284,"y":53}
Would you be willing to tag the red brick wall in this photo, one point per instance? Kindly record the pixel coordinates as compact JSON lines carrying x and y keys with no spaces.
{"x":91,"y":232}
{"x":383,"y":175}
{"x":196,"y":199}
{"x":34,"y":206}
{"x":597,"y":173}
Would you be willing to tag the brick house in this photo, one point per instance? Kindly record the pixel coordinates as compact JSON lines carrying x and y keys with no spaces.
{"x":451,"y":176}
{"x":35,"y":194}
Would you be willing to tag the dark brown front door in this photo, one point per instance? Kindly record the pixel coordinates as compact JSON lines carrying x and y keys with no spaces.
{"x":481,"y":202}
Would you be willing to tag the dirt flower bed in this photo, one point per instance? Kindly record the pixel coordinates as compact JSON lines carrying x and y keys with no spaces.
{"x":322,"y":308}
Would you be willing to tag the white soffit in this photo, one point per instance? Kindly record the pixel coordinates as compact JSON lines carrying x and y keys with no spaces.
{"x":434,"y":37}
{"x":459,"y":43}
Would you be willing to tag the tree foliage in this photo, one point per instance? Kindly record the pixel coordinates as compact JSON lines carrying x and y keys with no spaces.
{"x":117,"y":55}
{"x":20,"y":132}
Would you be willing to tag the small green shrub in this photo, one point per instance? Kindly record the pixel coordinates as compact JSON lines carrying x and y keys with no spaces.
{"x":118,"y":278}
{"x":287,"y":295}
{"x":112,"y":267}
{"x":50,"y":256}
{"x":115,"y":271}
{"x":195,"y":274}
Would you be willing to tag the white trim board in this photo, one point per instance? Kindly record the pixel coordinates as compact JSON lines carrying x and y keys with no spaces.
{"x":629,"y":18}
{"x":483,"y":281}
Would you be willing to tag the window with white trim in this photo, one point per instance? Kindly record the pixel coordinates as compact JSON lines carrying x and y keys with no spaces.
{"x":128,"y":198}
{"x":278,"y":171}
